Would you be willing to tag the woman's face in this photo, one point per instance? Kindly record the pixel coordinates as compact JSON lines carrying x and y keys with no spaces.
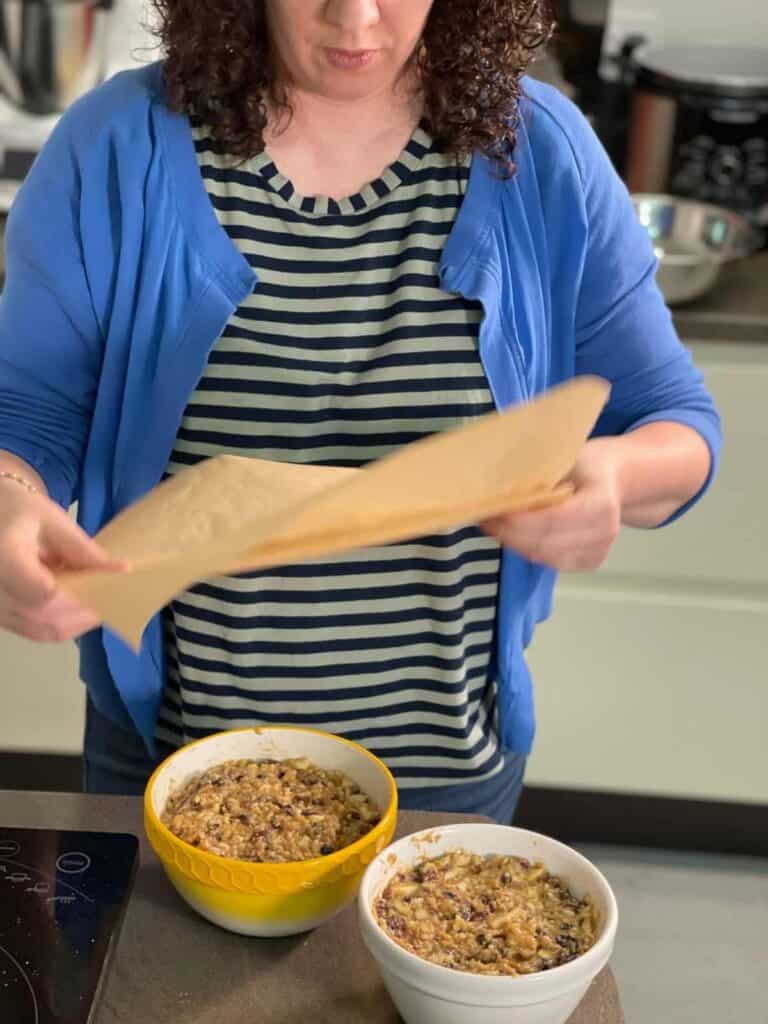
{"x":345,"y":49}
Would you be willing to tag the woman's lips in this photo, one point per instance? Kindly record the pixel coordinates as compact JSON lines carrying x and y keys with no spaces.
{"x":350,"y":60}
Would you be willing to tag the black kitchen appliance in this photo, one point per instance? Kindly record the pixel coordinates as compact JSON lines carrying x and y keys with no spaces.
{"x":578,"y":47}
{"x":62,"y":898}
{"x":698,"y":126}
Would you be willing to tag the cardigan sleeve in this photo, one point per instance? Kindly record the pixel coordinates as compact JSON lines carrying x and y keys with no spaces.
{"x":50,"y":341}
{"x":622,"y":328}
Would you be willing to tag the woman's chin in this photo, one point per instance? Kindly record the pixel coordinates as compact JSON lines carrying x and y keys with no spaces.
{"x":349,"y":83}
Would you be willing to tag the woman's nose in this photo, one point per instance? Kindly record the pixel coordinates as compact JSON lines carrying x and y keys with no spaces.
{"x":352,"y":15}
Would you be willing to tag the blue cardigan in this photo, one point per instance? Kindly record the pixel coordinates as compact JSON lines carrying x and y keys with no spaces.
{"x":120,"y":280}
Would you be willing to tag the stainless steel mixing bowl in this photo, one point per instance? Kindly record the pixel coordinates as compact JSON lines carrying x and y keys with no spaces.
{"x":693,"y":241}
{"x":51,"y":51}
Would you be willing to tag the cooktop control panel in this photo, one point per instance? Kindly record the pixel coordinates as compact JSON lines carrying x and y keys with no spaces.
{"x":62,"y":898}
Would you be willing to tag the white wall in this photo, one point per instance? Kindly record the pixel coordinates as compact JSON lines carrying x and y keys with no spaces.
{"x":671,"y":22}
{"x":131,"y":42}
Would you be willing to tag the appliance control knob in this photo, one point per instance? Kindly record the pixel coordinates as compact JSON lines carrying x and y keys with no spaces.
{"x":727,"y":167}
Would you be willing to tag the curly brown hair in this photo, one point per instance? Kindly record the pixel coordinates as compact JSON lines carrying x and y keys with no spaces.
{"x":219,"y":70}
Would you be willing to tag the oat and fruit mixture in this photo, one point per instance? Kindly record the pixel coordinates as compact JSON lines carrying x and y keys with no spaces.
{"x":274,"y":811}
{"x":486,"y":915}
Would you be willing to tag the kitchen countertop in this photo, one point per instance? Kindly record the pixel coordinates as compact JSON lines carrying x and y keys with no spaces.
{"x":170,"y":965}
{"x":735,"y":310}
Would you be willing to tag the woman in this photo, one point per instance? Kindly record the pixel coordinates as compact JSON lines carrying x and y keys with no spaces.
{"x":320,"y":230}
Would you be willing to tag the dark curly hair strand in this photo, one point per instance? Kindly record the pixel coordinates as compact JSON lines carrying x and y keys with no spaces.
{"x":219,"y":70}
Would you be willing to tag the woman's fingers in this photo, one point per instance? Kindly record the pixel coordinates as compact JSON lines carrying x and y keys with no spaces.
{"x":66,"y":545}
{"x":25,"y":579}
{"x":37,"y":538}
{"x":577,"y":535}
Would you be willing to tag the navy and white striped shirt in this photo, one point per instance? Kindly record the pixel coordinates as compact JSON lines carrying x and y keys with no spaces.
{"x":347,"y":349}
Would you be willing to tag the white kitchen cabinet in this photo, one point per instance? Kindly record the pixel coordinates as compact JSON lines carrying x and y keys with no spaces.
{"x":42,"y":700}
{"x":651,"y":676}
{"x":639,"y":690}
{"x":724,"y":540}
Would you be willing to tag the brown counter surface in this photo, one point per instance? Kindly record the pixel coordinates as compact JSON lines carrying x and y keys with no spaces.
{"x":171,"y":966}
{"x":735,"y":310}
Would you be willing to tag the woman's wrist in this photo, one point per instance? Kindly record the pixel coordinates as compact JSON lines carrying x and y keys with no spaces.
{"x":659,"y":468}
{"x":20,"y":480}
{"x":15,"y":472}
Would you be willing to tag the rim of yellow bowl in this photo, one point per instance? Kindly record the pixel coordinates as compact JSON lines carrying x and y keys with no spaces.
{"x":215,"y":858}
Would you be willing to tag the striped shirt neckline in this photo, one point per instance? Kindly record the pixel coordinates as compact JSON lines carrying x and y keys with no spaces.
{"x":401,"y":172}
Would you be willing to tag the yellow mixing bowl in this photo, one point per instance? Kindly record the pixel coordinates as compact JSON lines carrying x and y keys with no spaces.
{"x":269,"y":899}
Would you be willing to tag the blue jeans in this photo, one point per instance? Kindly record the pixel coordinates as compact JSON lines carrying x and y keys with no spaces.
{"x":116,"y":761}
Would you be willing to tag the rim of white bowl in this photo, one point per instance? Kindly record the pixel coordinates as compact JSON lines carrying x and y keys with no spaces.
{"x":492,"y":983}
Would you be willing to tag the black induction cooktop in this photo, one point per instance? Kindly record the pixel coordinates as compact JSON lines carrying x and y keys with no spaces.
{"x":62,"y":897}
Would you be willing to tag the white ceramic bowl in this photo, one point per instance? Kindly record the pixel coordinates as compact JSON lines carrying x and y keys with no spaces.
{"x":426,"y":993}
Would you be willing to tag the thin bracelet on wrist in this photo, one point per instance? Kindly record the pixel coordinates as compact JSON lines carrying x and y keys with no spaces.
{"x":19,"y":480}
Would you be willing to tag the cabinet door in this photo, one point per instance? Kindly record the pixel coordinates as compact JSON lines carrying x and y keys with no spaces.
{"x":41,"y":696}
{"x":724,"y":539}
{"x":638,"y":690}
{"x":43,"y":700}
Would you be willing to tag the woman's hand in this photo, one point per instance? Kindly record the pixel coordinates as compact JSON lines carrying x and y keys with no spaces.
{"x":577,"y":534}
{"x":36,"y":538}
{"x":639,"y":479}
